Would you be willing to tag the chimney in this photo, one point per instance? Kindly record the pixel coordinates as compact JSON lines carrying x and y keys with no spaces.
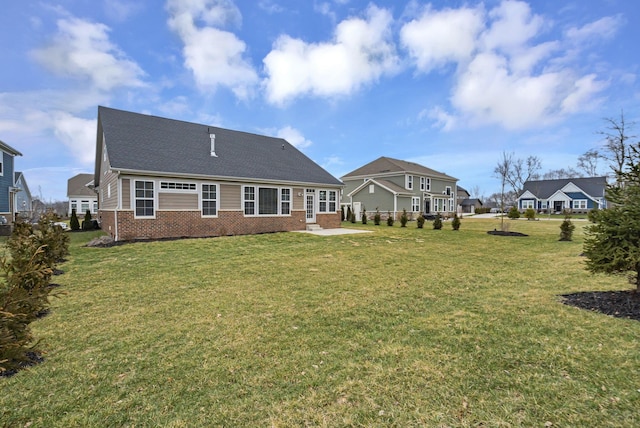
{"x":213,"y":143}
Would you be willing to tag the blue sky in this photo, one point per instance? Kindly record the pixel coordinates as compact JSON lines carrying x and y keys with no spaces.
{"x":448,"y":84}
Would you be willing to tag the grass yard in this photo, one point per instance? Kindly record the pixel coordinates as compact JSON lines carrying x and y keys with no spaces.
{"x":400,"y":327}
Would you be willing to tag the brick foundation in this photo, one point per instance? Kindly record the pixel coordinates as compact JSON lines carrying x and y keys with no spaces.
{"x":190,"y":224}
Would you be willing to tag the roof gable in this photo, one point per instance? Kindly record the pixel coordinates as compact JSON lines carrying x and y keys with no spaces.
{"x":141,"y":143}
{"x":384,"y":166}
{"x":8,"y":149}
{"x":384,"y":184}
{"x":544,"y":189}
{"x":78,"y":185}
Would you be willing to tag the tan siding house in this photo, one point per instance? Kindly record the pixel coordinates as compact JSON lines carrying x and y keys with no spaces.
{"x":219,"y":181}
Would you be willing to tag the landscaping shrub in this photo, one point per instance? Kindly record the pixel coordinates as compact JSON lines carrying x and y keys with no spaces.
{"x":567,"y":228}
{"x":352,"y":217}
{"x":342,"y":213}
{"x":24,"y":293}
{"x":390,"y":220}
{"x":376,"y":218}
{"x":437,"y":222}
{"x":513,"y":213}
{"x":74,"y":224}
{"x":404,"y":218}
{"x":348,"y":213}
{"x":420,"y":221}
{"x":87,"y":224}
{"x":455,"y":223}
{"x":530,"y":214}
{"x":364,"y":216}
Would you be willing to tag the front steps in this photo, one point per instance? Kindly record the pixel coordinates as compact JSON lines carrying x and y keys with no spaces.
{"x":313,"y":227}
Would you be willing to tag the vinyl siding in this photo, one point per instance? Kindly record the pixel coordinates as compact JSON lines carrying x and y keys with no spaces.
{"x":177,"y":201}
{"x":126,"y":194}
{"x":230,"y":197}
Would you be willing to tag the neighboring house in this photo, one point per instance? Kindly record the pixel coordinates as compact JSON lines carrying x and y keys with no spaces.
{"x":391,"y":185}
{"x":23,"y":202}
{"x":8,"y":188}
{"x":81,"y":195}
{"x":470,"y":205}
{"x":163,"y":178}
{"x":576,"y":194}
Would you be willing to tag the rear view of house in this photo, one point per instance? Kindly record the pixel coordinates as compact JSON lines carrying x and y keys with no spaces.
{"x":578,"y":195}
{"x":81,"y":195}
{"x":162,"y":178}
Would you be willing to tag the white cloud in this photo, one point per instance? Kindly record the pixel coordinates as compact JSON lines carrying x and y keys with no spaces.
{"x":439,"y":37}
{"x":504,"y":74}
{"x":78,"y":134}
{"x":215,"y":57}
{"x":82,"y":50}
{"x":602,"y":29}
{"x":294,"y":137}
{"x":361,"y":51}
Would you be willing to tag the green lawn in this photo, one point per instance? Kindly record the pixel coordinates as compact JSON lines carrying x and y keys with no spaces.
{"x":400,"y":327}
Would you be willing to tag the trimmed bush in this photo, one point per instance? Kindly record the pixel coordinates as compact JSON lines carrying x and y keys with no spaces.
{"x":348,"y":218}
{"x":74,"y":224}
{"x":404,"y":218}
{"x":437,"y":222}
{"x":455,"y":223}
{"x":567,"y":228}
{"x":364,"y":216}
{"x":513,"y":213}
{"x":420,"y":221}
{"x":376,"y":218}
{"x":342,"y":213}
{"x":530,"y":214}
{"x":390,"y":220}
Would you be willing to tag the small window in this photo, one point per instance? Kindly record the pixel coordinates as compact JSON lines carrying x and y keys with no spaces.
{"x":95,"y":207}
{"x":165,"y":185}
{"x":428,"y":187}
{"x":415,"y":204}
{"x":448,"y":190}
{"x":144,"y":197}
{"x":423,"y":183}
{"x":322,"y":198}
{"x":209,"y":200}
{"x":249,"y":200}
{"x":410,"y":182}
{"x":285,"y":201}
{"x":372,"y":188}
{"x":580,"y":204}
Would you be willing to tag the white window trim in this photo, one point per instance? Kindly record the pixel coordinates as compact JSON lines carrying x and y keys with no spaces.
{"x":409,"y":182}
{"x":415,"y":203}
{"x":581,"y":201}
{"x":155,"y":199}
{"x":193,"y":187}
{"x":201,"y":199}
{"x":256,"y":201}
{"x":428,"y":184}
{"x":528,"y":203}
{"x":423,"y":184}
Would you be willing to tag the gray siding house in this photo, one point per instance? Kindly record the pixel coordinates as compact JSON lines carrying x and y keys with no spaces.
{"x":578,"y":195}
{"x":163,"y":178}
{"x":392,"y":185}
{"x":8,"y":188}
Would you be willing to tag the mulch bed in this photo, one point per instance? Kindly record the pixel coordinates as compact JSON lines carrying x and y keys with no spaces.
{"x":620,"y":304}
{"x":505,"y":233}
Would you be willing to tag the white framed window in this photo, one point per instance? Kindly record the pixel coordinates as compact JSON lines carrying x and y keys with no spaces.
{"x":109,"y":190}
{"x":580,"y":204}
{"x":428,"y":186}
{"x":267,"y":201}
{"x":543,"y":205}
{"x":327,"y":201}
{"x":447,"y":190}
{"x":144,"y":198}
{"x":74,"y":205}
{"x":209,"y":200}
{"x":84,"y":206}
{"x":423,"y":183}
{"x":167,"y":185}
{"x":95,"y":207}
{"x":1,"y":163}
{"x":415,"y":204}
{"x":451,"y":205}
{"x":410,"y":182}
{"x":526,"y":204}
{"x":333,"y":206}
{"x":285,"y":201}
{"x":372,"y":188}
{"x":322,"y":201}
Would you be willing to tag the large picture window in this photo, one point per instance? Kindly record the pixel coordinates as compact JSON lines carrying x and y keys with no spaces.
{"x":267,"y":200}
{"x":415,"y":204}
{"x":580,"y":204}
{"x":144,"y":199}
{"x":327,"y":201}
{"x":209,"y":200}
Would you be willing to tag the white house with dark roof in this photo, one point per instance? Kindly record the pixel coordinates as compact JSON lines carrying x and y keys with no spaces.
{"x":81,"y":195}
{"x":8,"y":186}
{"x":163,"y":178}
{"x":393,"y":185}
{"x":578,"y":195}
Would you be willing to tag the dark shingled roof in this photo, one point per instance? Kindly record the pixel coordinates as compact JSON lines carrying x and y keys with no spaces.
{"x":143,"y":143}
{"x":77,"y":185}
{"x":385,"y":165}
{"x":7,"y":148}
{"x":543,"y":189}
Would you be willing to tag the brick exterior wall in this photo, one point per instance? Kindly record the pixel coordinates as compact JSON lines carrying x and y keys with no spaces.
{"x":190,"y":224}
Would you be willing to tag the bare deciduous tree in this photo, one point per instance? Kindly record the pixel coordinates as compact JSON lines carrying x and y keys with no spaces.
{"x":588,"y":162}
{"x":617,"y":146}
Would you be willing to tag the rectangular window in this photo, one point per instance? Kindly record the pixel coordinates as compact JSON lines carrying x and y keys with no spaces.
{"x":423,"y":183}
{"x":209,"y":200}
{"x":451,"y":205}
{"x":249,"y":200}
{"x":410,"y":182}
{"x":84,"y":206}
{"x":372,"y":188}
{"x":144,"y":197}
{"x":74,"y":205}
{"x":1,"y":163}
{"x":267,"y":201}
{"x":415,"y":204}
{"x":332,"y":201}
{"x":428,"y":188}
{"x":285,"y":201}
{"x":580,"y":204}
{"x":448,"y":190}
{"x":527,"y":204}
{"x":177,"y":186}
{"x":322,"y":201}
{"x":95,"y":207}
